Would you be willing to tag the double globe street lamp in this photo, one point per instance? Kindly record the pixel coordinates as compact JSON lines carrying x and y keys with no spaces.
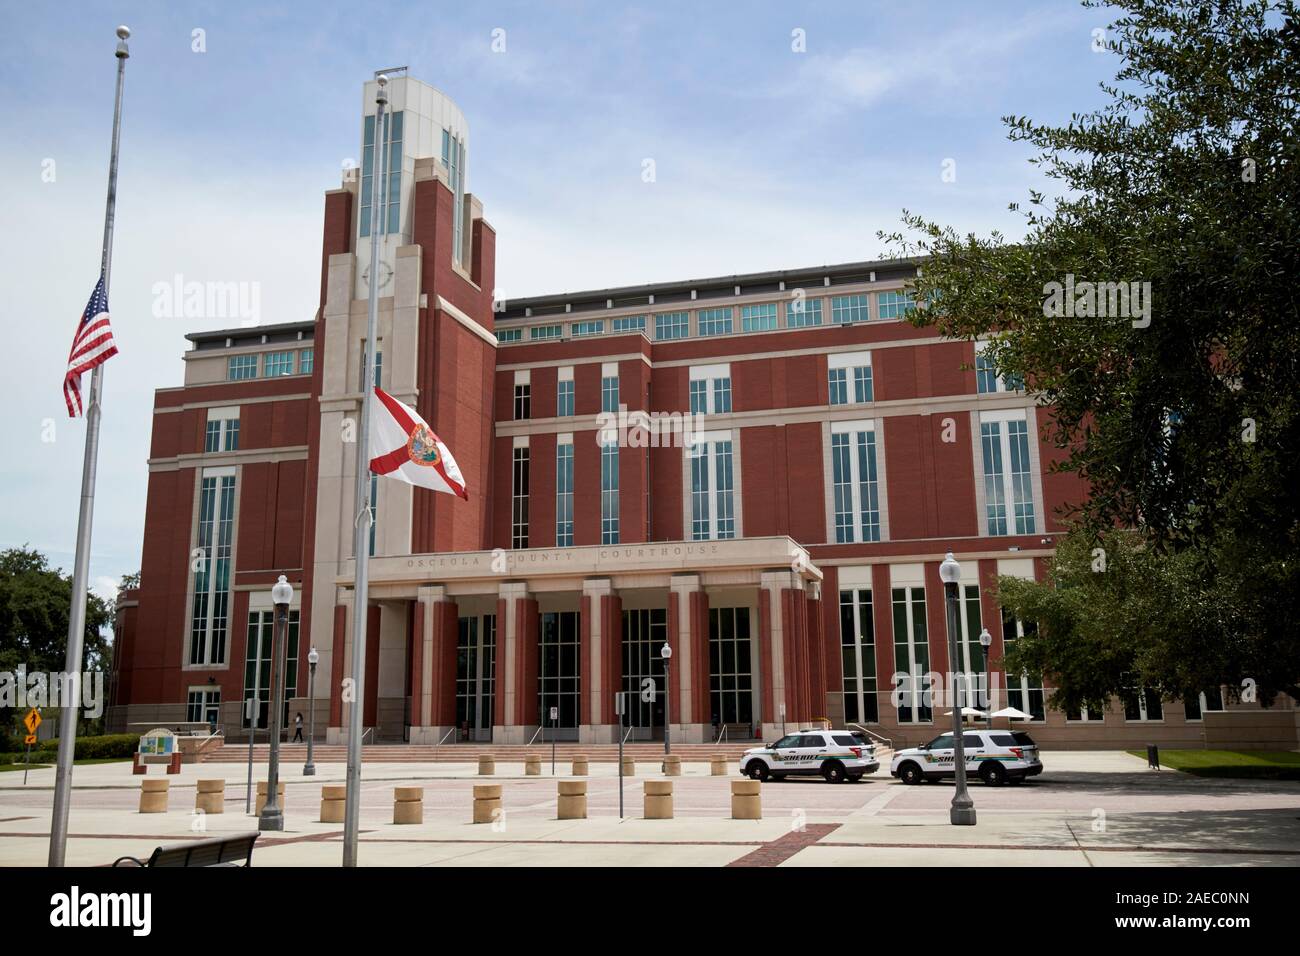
{"x":962,"y":813}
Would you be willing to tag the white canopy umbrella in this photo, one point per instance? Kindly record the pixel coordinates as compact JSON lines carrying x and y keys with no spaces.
{"x":1012,"y":713}
{"x":969,"y":712}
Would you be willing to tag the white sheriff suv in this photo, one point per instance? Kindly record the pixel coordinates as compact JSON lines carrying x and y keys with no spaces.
{"x":997,"y":756}
{"x":837,"y":755}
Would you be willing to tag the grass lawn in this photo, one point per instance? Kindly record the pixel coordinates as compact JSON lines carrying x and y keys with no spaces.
{"x":78,"y":763}
{"x":1242,"y":764}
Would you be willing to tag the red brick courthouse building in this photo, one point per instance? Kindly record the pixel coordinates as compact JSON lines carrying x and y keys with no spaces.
{"x":789,"y":555}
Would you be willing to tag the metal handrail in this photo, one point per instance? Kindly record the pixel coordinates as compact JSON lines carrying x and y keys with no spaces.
{"x":722,"y":736}
{"x":449,"y":732}
{"x":366,"y":733}
{"x":530,"y":743}
{"x":628,"y":734}
{"x":874,"y":736}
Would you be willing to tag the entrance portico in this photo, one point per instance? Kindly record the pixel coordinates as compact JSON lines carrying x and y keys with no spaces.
{"x":496,"y":641}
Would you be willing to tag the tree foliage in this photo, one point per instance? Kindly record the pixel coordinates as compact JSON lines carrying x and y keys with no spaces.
{"x":1185,"y":423}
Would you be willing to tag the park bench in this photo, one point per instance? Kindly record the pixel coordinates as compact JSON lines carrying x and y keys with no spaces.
{"x":218,"y":851}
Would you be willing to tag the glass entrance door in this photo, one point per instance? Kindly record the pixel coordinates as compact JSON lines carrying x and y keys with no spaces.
{"x":559,"y":683}
{"x":475,"y":677}
{"x":644,"y":633}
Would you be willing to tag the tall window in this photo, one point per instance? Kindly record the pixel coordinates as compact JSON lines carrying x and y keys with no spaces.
{"x":731,"y":680}
{"x":609,"y":393}
{"x":672,"y":325}
{"x":844,"y":368}
{"x":221,"y":435}
{"x":758,"y":318}
{"x":837,"y":380}
{"x":803,"y":313}
{"x":241,"y":367}
{"x":630,"y":323}
{"x":849,"y":308}
{"x":306,"y":361}
{"x":390,"y":191}
{"x":710,"y":389}
{"x":1195,"y":708}
{"x":257,"y":665}
{"x":858,"y":653}
{"x":559,"y":680}
{"x":519,"y":500}
{"x":523,"y":401}
{"x":476,"y":675}
{"x":911,"y":654}
{"x":564,"y":398}
{"x":374,"y":511}
{"x":453,"y":158}
{"x":713,"y":506}
{"x":278,"y":363}
{"x":987,"y":380}
{"x":564,"y":495}
{"x":1008,"y":487}
{"x":379,"y":367}
{"x":856,"y":486}
{"x":715,"y":321}
{"x":1143,"y":704}
{"x":894,"y":305}
{"x":1025,"y":691}
{"x":970,"y":651}
{"x":211,"y":606}
{"x":609,"y":494}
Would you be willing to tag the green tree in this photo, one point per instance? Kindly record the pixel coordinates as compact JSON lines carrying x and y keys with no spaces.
{"x":1182,"y":416}
{"x":34,"y":602}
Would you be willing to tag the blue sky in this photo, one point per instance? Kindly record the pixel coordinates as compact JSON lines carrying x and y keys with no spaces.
{"x":764,"y":158}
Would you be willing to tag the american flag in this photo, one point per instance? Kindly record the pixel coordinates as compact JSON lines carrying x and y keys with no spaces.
{"x":93,"y":345}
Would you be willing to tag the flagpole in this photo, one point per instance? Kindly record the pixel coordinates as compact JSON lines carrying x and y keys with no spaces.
{"x":81,"y":565}
{"x":361,"y":526}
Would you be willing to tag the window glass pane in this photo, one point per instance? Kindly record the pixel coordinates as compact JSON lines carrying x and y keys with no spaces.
{"x":715,"y":321}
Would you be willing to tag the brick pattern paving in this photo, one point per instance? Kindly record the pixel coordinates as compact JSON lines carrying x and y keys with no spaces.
{"x":779,"y":850}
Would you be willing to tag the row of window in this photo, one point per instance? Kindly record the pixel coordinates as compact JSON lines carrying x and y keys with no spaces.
{"x":288,"y":362}
{"x":849,"y":380}
{"x":800,"y":312}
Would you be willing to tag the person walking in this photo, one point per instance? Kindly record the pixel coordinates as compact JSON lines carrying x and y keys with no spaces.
{"x":297,"y":728}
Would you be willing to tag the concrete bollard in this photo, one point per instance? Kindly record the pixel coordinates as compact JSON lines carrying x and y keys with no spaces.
{"x":261,"y":796}
{"x":672,"y":765}
{"x":532,"y":765}
{"x":210,"y":797}
{"x":572,"y":803}
{"x":487,"y":802}
{"x":746,"y":801}
{"x":580,"y":766}
{"x":408,"y":804}
{"x":629,"y":767}
{"x":658,"y":800}
{"x":718,"y":764}
{"x":153,"y":796}
{"x":487,"y":765}
{"x":333,"y":803}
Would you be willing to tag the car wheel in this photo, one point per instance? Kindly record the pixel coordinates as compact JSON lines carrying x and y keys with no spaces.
{"x":757,"y":770}
{"x":833,"y":771}
{"x":911,"y":774}
{"x":992,"y":774}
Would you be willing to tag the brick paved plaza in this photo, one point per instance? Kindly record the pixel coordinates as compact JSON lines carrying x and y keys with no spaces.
{"x":1088,"y":809}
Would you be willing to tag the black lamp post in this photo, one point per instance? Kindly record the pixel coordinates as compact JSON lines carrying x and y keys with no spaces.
{"x":962,"y":813}
{"x":313,"y":658}
{"x":666,"y":653}
{"x":272,"y":817}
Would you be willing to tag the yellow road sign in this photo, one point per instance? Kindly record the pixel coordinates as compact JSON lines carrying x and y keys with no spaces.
{"x":30,"y":739}
{"x":32,"y":720}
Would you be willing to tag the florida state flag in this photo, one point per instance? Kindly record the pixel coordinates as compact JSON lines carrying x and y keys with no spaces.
{"x":403,"y":446}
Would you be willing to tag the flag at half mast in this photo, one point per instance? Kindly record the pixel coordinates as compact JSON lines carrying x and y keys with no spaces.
{"x":92,"y":345}
{"x":403,"y":446}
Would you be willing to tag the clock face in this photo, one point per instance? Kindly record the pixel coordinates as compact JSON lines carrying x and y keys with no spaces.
{"x":385,"y":274}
